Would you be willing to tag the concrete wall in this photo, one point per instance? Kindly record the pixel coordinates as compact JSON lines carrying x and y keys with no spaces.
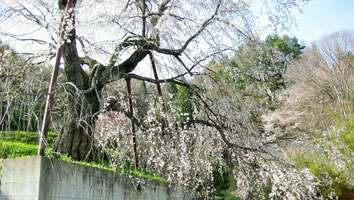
{"x":39,"y":178}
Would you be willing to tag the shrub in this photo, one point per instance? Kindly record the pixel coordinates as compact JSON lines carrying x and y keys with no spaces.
{"x":17,"y":149}
{"x":332,"y":160}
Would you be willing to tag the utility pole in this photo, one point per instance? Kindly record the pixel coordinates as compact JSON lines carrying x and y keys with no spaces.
{"x":53,"y":81}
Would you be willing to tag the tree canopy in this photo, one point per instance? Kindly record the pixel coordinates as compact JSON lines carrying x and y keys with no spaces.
{"x":184,"y":136}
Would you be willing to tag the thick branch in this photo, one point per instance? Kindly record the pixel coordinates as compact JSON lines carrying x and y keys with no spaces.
{"x":119,"y":70}
{"x":140,"y":42}
{"x":154,"y":81}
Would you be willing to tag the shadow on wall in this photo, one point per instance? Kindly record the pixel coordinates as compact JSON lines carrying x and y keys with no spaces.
{"x":3,"y":195}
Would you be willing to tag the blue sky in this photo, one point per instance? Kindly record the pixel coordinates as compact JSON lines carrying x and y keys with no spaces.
{"x":321,"y":17}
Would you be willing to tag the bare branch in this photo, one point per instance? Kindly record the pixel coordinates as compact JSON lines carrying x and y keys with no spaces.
{"x":202,"y":28}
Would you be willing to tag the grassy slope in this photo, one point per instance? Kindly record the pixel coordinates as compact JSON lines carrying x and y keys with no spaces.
{"x":14,"y":144}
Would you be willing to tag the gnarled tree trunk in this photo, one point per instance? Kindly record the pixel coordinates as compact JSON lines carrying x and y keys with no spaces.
{"x":75,"y":138}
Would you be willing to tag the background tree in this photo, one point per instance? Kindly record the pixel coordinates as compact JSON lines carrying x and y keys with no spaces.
{"x":319,"y":108}
{"x":22,"y":89}
{"x":259,"y":67}
{"x":239,"y":88}
{"x":285,"y":44}
{"x":323,"y":78}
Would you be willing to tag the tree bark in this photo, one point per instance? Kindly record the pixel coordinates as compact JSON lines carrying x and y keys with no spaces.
{"x":76,"y":137}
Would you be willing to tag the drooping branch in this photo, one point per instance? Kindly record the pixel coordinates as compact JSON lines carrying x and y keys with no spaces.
{"x":16,"y":37}
{"x":221,"y":131}
{"x":29,"y":15}
{"x":174,"y":80}
{"x":112,"y":106}
{"x":23,"y":12}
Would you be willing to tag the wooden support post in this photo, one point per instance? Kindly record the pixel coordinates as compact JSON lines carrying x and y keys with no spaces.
{"x":144,"y":19}
{"x":136,"y":163}
{"x":159,"y":91}
{"x":53,"y":81}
